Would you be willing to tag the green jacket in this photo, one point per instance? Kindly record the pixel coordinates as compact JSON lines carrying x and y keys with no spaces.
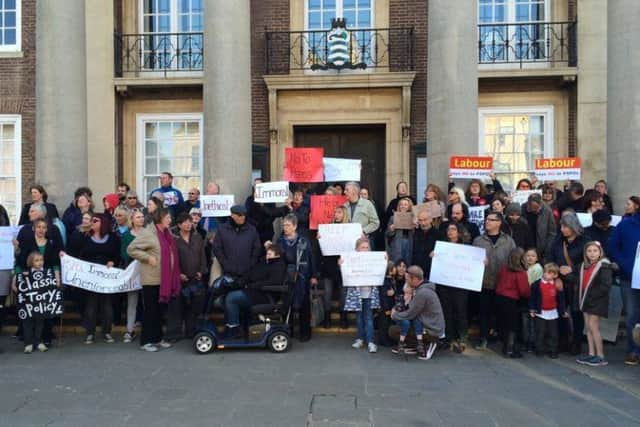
{"x":365,"y":213}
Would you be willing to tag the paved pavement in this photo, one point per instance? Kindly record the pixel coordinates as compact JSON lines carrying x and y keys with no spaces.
{"x":321,"y":383}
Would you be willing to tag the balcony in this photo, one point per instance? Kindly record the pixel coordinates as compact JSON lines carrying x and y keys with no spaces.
{"x":527,"y":45}
{"x":388,"y":49}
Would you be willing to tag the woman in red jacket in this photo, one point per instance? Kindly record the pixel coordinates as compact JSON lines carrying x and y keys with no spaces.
{"x":511,"y":287}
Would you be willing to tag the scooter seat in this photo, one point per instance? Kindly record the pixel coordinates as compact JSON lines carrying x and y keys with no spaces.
{"x":264,"y":308}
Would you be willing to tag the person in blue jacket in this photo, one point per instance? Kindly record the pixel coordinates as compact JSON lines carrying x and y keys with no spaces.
{"x":172,"y":196}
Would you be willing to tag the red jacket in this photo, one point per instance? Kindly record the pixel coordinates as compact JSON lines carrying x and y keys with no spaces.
{"x":512,"y":284}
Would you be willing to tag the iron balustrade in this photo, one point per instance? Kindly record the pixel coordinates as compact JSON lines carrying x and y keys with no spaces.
{"x":165,"y":53}
{"x":528,"y":42}
{"x":386,"y":48}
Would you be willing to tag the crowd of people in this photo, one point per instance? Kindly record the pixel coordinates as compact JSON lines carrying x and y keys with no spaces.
{"x":546,"y":282}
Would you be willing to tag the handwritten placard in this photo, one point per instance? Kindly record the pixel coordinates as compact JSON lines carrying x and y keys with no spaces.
{"x":468,"y":167}
{"x":363,"y":268}
{"x":217,"y":205}
{"x":272,"y":192}
{"x":304,"y":165}
{"x":557,"y":169}
{"x":403,"y":221}
{"x":458,"y":266}
{"x":7,"y":250}
{"x":522,"y":196}
{"x":476,"y":216}
{"x":336,"y":169}
{"x":98,"y":278}
{"x":336,"y":239}
{"x":38,"y":295}
{"x":323,"y":209}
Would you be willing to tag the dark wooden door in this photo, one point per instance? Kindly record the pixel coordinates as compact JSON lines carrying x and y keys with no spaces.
{"x":351,"y":142}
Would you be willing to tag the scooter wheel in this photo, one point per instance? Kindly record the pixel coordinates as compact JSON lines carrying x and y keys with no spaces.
{"x":204,"y":343}
{"x":278,"y":342}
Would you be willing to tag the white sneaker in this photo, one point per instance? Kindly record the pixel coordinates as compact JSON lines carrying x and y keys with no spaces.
{"x":372,"y":348}
{"x":358,"y":343}
{"x":89,"y":339}
{"x":128,"y":337}
{"x":164,"y":344}
{"x":28,"y":349}
{"x":42,"y":347}
{"x":108,"y":338}
{"x":149,"y":347}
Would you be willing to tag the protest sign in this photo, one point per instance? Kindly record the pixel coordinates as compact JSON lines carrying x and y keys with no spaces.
{"x":170,"y":198}
{"x":615,"y":220}
{"x":304,"y":165}
{"x":457,"y":265}
{"x":216,"y":206}
{"x":557,"y":169}
{"x":98,"y":278}
{"x":363,"y":268}
{"x":433,"y":209}
{"x":38,"y":295}
{"x":635,"y":276}
{"x":7,"y":236}
{"x":522,"y":196}
{"x":336,"y":239}
{"x":468,"y":167}
{"x":403,"y":221}
{"x":272,"y":192}
{"x":323,"y":208}
{"x":341,"y":169}
{"x":476,"y":216}
{"x":585,"y":219}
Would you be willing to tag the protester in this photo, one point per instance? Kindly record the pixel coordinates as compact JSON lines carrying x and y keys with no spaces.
{"x":541,"y":223}
{"x":602,"y":188}
{"x":498,"y":205}
{"x":424,"y":242}
{"x":260,"y":214}
{"x":270,"y":272}
{"x":517,"y":227}
{"x":360,"y":210}
{"x":592,"y":201}
{"x":153,"y":206}
{"x":402,"y":192}
{"x":549,"y":197}
{"x":434,"y":193}
{"x":136,"y":226}
{"x":459,"y":213}
{"x":546,"y":305}
{"x":38,"y":195}
{"x":154,"y":248}
{"x":122,"y":190}
{"x":524,"y":185}
{"x":404,"y":297}
{"x":363,"y":300}
{"x":378,"y":235}
{"x":572,"y":198}
{"x":81,"y":204}
{"x":122,"y":220}
{"x":601,"y":228}
{"x":388,"y":299}
{"x":193,"y":201}
{"x":132,"y":203}
{"x":400,"y":241}
{"x":534,"y":273}
{"x":456,"y":195}
{"x":110,"y":202}
{"x":632,"y":206}
{"x":424,"y":306}
{"x":172,"y":196}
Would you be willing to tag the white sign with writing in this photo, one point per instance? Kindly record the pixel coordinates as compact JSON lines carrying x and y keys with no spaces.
{"x":458,"y":266}
{"x":336,"y":239}
{"x":7,"y":250}
{"x":216,"y":206}
{"x":336,"y":169}
{"x":272,"y":192}
{"x":635,"y":276}
{"x":363,"y":268}
{"x":476,"y":216}
{"x":98,"y":278}
{"x":522,"y":196}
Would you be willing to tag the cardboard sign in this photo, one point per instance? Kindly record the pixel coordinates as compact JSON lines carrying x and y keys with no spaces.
{"x":216,"y":206}
{"x":336,"y":239}
{"x":341,"y":169}
{"x":635,"y":276}
{"x":363,"y":268}
{"x":522,"y":196}
{"x":458,"y":266}
{"x":476,"y":216}
{"x":403,"y":221}
{"x":7,"y":250}
{"x":468,"y":167}
{"x":304,"y":165}
{"x":272,"y":192}
{"x":98,"y":278}
{"x":433,"y":209}
{"x":557,"y":169}
{"x":38,"y":295}
{"x":323,"y":208}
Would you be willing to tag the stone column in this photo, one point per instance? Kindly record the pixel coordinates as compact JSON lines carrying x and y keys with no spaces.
{"x":61,"y":98}
{"x":452,"y":85}
{"x":592,"y":89}
{"x":227,"y":96}
{"x":623,"y":89}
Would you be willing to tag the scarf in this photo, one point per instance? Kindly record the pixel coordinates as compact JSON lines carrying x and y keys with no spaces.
{"x":169,"y":268}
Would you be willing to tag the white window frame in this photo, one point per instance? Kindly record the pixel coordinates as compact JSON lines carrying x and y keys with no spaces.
{"x":543,"y":110}
{"x":16,"y":121}
{"x":17,"y":47}
{"x":140,"y":141}
{"x":339,"y":13}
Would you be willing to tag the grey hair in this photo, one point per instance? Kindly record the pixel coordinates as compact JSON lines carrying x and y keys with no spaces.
{"x":353,"y":184}
{"x":292,"y":218}
{"x":40,"y":207}
{"x":571,"y":221}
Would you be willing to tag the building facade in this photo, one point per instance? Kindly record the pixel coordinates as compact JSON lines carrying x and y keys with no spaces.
{"x":97,"y":92}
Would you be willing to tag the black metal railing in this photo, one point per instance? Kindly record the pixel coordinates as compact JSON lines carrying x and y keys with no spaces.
{"x":158,"y":53}
{"x":527,"y":43}
{"x":388,"y":48}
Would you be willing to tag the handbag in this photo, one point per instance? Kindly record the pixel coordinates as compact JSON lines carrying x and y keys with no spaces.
{"x":317,"y":307}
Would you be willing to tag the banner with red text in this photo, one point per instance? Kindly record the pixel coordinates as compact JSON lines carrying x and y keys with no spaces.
{"x":469,"y":167}
{"x":304,"y":165}
{"x":558,"y":169}
{"x":323,"y":208}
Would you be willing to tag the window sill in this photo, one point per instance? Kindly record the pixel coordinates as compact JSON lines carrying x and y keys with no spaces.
{"x":11,"y":54}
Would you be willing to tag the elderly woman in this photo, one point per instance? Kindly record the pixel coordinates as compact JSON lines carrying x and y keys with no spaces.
{"x":38,"y":195}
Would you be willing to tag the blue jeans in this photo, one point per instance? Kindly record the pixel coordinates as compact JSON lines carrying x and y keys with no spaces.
{"x":631,"y":300}
{"x":235,"y":303}
{"x":364,"y":319}
{"x":418,"y":328}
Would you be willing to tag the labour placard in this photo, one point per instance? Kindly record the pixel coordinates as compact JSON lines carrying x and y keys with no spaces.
{"x":335,"y":239}
{"x":323,"y":209}
{"x":363,"y":268}
{"x":468,"y":167}
{"x":557,"y":169}
{"x":457,"y":265}
{"x":304,"y":164}
{"x":272,"y":192}
{"x":341,"y":169}
{"x":216,"y":206}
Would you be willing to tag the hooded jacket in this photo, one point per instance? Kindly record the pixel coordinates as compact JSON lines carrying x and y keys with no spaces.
{"x":425,"y":306}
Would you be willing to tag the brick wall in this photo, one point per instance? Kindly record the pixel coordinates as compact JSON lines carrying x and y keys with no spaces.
{"x":18,"y":91}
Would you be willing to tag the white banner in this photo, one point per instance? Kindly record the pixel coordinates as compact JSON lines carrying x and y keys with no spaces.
{"x":635,"y":277}
{"x":272,"y":192}
{"x":216,"y":206}
{"x":522,"y":196}
{"x":586,"y":219}
{"x":476,"y":216}
{"x":363,"y":268}
{"x":557,"y":174}
{"x":98,"y":278}
{"x":336,"y":169}
{"x":7,"y":250}
{"x":458,"y":266}
{"x":336,"y":239}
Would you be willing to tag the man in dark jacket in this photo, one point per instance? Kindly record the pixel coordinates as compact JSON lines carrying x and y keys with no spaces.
{"x":459,"y":213}
{"x":518,"y":228}
{"x":601,"y":228}
{"x":541,"y":223}
{"x":424,"y":242}
{"x":572,"y":198}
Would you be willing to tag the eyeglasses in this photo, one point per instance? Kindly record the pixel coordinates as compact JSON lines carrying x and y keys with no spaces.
{"x":494,"y":219}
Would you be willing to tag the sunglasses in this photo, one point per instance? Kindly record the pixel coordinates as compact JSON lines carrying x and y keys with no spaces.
{"x":132,"y":198}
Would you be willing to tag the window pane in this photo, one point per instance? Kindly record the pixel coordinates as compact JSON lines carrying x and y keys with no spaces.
{"x":329,"y":4}
{"x":151,"y":148}
{"x":348,"y":4}
{"x":9,"y":37}
{"x":193,"y":128}
{"x":314,"y":4}
{"x":184,"y":6}
{"x":164,"y":24}
{"x":8,"y":131}
{"x":163,"y":6}
{"x":10,"y":19}
{"x":7,"y":167}
{"x":350,"y":16}
{"x":364,"y":3}
{"x":10,"y":4}
{"x":364,"y":19}
{"x":165,"y":130}
{"x":326,"y":20}
{"x":314,"y":21}
{"x":151,"y":165}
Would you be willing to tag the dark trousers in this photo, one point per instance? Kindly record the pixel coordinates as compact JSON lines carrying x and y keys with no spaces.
{"x":174,"y":319}
{"x":508,"y":318}
{"x":94,"y":301}
{"x":384,"y":322}
{"x":151,"y":321}
{"x":487,"y":297}
{"x":302,"y":317}
{"x":185,"y":309}
{"x":454,"y":306}
{"x":33,"y":330}
{"x":546,"y":329}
